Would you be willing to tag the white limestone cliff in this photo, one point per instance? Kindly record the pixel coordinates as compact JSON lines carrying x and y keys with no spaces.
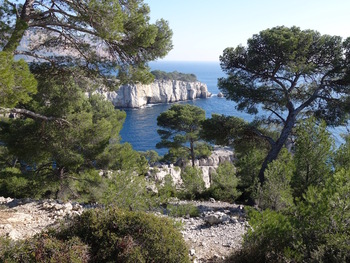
{"x":160,"y":91}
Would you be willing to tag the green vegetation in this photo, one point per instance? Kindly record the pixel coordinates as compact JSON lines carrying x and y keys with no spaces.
{"x":57,"y":140}
{"x":306,"y":204}
{"x":224,"y":183}
{"x":193,"y":184}
{"x":162,"y":75}
{"x":182,"y":210}
{"x":109,"y":235}
{"x":180,"y":129}
{"x":95,"y":36}
{"x":290,"y":73}
{"x":60,"y":139}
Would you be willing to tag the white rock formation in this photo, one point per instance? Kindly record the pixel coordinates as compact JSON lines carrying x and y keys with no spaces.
{"x":160,"y":91}
{"x":207,"y":165}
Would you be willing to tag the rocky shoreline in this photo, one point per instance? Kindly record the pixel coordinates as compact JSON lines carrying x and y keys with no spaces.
{"x":213,"y":235}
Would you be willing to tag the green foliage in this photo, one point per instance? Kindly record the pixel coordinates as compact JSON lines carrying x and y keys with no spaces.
{"x":102,"y":235}
{"x":277,"y":73}
{"x":276,"y":193}
{"x":316,"y":229}
{"x":129,"y":191}
{"x":247,"y":171}
{"x":151,"y":156}
{"x":342,"y":155}
{"x":202,"y":149}
{"x":110,"y":34}
{"x":266,"y":240}
{"x":313,"y":153}
{"x":167,"y":189}
{"x":232,"y":131}
{"x":182,"y":210}
{"x":224,"y":183}
{"x":123,"y":236}
{"x":17,"y":84}
{"x":122,"y":157}
{"x":162,"y":75}
{"x":193,"y":184}
{"x":63,"y":158}
{"x":13,"y":183}
{"x":180,"y":125}
{"x":43,"y":248}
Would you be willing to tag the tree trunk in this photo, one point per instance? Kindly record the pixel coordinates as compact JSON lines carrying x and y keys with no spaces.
{"x":20,"y":27}
{"x":192,"y":152}
{"x":276,"y":148}
{"x":61,"y":178}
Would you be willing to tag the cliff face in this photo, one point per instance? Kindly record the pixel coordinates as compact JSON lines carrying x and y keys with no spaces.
{"x":160,"y":91}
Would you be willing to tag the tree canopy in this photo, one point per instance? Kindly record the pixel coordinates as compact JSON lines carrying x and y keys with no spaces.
{"x":162,"y":75}
{"x":181,"y":125}
{"x":101,"y":36}
{"x":288,"y":73}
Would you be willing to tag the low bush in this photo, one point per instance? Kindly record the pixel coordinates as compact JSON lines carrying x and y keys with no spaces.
{"x":102,"y":235}
{"x":182,"y":210}
{"x":115,"y":235}
{"x":44,"y":248}
{"x":193,"y":184}
{"x":224,"y":183}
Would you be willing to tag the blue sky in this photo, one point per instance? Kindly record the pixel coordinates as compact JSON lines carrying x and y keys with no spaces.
{"x":204,"y":28}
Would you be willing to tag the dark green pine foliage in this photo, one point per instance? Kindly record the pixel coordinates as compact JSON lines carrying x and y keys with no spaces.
{"x":288,"y":72}
{"x":180,"y":129}
{"x":99,"y":36}
{"x":60,"y":150}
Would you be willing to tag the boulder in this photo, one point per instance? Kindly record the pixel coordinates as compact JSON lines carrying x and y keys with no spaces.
{"x":220,"y":95}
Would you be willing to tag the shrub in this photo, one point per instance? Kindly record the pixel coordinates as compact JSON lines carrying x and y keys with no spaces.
{"x":248,"y":166}
{"x":276,"y":193}
{"x":167,"y":189}
{"x":115,"y":235}
{"x":316,"y":229}
{"x":43,"y":248}
{"x":128,"y":191}
{"x":224,"y":183}
{"x":193,"y":184}
{"x":182,"y":210}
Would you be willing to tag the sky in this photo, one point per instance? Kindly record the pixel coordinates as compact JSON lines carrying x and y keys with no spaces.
{"x":202,"y":29}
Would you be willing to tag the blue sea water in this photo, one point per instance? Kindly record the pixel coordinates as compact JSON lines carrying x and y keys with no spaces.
{"x":140,"y":127}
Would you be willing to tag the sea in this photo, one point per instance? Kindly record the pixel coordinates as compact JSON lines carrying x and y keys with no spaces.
{"x":140,"y":126}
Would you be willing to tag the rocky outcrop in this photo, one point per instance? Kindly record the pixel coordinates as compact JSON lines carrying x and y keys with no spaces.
{"x":216,"y":233}
{"x":160,"y":91}
{"x":207,"y":165}
{"x":23,"y":218}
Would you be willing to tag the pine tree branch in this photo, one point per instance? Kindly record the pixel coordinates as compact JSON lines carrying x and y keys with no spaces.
{"x":34,"y":115}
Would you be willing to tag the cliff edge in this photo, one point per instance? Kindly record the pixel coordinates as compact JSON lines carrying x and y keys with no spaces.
{"x":160,"y":91}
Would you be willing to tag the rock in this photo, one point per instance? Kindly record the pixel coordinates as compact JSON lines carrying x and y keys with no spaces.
{"x":207,"y":165}
{"x":192,"y":252}
{"x":68,"y":207}
{"x":160,"y":91}
{"x":14,"y":234}
{"x":58,"y":207}
{"x":220,"y":95}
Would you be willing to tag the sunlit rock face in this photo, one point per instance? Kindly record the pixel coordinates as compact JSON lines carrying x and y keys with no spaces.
{"x":160,"y":91}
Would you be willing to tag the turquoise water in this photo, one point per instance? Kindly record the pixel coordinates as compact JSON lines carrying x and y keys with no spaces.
{"x":140,"y":127}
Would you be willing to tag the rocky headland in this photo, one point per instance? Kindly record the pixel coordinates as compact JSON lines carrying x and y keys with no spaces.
{"x":160,"y":91}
